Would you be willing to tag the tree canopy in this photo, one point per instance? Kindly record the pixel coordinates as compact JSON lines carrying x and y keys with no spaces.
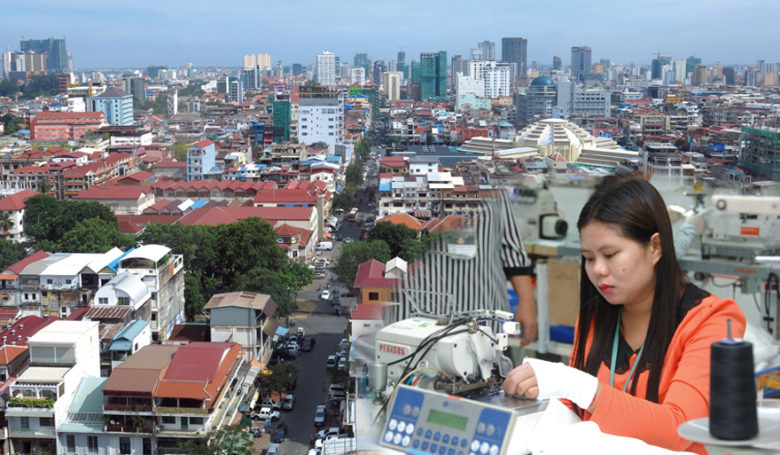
{"x":354,"y":254}
{"x":10,"y":253}
{"x":241,"y":256}
{"x":403,"y":241}
{"x":354,"y":174}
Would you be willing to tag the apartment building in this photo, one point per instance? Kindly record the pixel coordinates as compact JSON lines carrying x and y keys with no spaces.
{"x":14,"y":206}
{"x":52,"y":126}
{"x":60,"y":355}
{"x":244,"y":318}
{"x":162,"y":272}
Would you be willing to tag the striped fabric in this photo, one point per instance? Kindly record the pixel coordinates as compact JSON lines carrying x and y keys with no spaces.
{"x":445,"y":282}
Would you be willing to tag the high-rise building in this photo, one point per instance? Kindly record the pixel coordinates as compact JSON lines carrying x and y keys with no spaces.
{"x":257,"y":60}
{"x":458,"y":65}
{"x":515,"y":50}
{"x":750,"y":78}
{"x":557,"y":63}
{"x":580,"y":63}
{"x":138,"y":89}
{"x":379,"y":69}
{"x":236,"y":93}
{"x":53,"y":48}
{"x":690,"y":64}
{"x":538,"y":101}
{"x":282,"y":110}
{"x":487,"y":49}
{"x":173,"y":102}
{"x":466,"y":86}
{"x":656,"y":68}
{"x":321,"y":116}
{"x":700,"y":75}
{"x":730,"y":75}
{"x":297,"y":69}
{"x":391,"y":83}
{"x":496,"y":76}
{"x":433,"y":75}
{"x":401,"y":65}
{"x":326,"y":69}
{"x":362,"y":60}
{"x":116,"y":105}
{"x":154,"y":71}
{"x":760,"y":153}
{"x":679,"y":70}
{"x":357,"y":76}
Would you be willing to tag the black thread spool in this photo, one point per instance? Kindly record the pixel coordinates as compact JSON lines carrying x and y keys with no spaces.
{"x":733,"y":414}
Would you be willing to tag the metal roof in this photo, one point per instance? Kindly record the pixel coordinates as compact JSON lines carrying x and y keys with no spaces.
{"x":42,"y":375}
{"x":151,"y":252}
{"x":62,"y":332}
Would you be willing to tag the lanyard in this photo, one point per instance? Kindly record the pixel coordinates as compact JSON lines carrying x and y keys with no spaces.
{"x":614,"y":358}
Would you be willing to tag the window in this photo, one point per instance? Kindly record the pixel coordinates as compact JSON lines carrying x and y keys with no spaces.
{"x":67,"y":281}
{"x":124,"y":446}
{"x":92,"y":444}
{"x":48,"y":281}
{"x":168,"y":420}
{"x":71,"y":441}
{"x":373,"y":296}
{"x":103,"y":300}
{"x":196,"y":420}
{"x":147,"y":446}
{"x":24,"y":423}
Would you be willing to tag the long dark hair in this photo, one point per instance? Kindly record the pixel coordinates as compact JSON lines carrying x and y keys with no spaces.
{"x":635,"y":207}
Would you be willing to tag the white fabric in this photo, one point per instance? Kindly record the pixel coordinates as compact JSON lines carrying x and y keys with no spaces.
{"x":582,"y":438}
{"x":557,"y":380}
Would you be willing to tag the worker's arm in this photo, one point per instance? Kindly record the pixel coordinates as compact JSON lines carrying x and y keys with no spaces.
{"x":526,"y":307}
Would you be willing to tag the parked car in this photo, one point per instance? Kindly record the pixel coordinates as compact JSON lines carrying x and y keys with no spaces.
{"x":337,"y":392}
{"x":308,"y":344}
{"x":344,"y":344}
{"x":318,"y":443}
{"x":342,"y":365}
{"x":280,"y":433}
{"x":327,"y":432}
{"x":319,"y":415}
{"x":325,"y":294}
{"x":275,"y":405}
{"x":289,"y":402}
{"x":266,"y":414}
{"x":332,"y":361}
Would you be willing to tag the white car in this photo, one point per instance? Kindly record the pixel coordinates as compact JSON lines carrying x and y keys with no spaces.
{"x":289,"y":402}
{"x":265,"y":414}
{"x":325,"y":295}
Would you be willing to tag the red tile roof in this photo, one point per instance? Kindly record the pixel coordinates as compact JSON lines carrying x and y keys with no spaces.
{"x":23,"y":329}
{"x":446,"y":224}
{"x":394,"y":161}
{"x":16,"y":201}
{"x":213,"y":216}
{"x":9,"y":353}
{"x":286,"y":196}
{"x":203,"y":144}
{"x":123,"y":192}
{"x":199,"y":371}
{"x":170,"y":163}
{"x":371,"y":274}
{"x":17,"y":267}
{"x":66,"y":115}
{"x":139,"y":176}
{"x":404,"y":219}
{"x":368,"y":311}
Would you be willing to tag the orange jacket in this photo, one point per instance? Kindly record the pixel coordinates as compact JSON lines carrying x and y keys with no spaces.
{"x":684,"y":389}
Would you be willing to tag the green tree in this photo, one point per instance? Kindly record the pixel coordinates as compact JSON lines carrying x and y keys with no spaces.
{"x":345,"y":199}
{"x":94,"y":235}
{"x":354,"y":254}
{"x":247,"y":245}
{"x":402,"y":240}
{"x":231,"y":440}
{"x":354,"y":174}
{"x":363,"y":149}
{"x":280,"y":378}
{"x":6,"y":223}
{"x":179,"y":150}
{"x":10,"y":253}
{"x":40,"y":214}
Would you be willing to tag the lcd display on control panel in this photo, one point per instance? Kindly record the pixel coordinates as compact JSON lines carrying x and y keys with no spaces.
{"x":448,"y":420}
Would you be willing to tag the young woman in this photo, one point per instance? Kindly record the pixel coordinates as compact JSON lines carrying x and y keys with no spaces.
{"x":641,"y":360}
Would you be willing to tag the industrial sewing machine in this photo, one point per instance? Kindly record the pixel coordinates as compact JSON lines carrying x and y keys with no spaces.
{"x":447,"y":397}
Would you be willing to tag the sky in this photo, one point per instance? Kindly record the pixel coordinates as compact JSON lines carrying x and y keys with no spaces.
{"x":140,"y":33}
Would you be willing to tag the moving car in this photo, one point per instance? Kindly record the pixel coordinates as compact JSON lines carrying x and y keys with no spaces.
{"x":325,"y":295}
{"x":307,"y":344}
{"x":319,"y":415}
{"x":332,"y":361}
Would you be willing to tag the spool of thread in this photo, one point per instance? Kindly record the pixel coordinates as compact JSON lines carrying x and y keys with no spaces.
{"x":733,"y":414}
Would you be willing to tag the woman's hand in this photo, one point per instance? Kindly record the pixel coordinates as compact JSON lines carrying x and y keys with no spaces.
{"x":522,"y":382}
{"x":541,"y":379}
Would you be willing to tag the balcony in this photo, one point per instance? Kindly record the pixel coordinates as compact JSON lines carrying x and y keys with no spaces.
{"x":127,"y":407}
{"x":172,"y":410}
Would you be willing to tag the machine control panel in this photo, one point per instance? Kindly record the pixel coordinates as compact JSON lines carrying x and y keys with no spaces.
{"x":425,"y":421}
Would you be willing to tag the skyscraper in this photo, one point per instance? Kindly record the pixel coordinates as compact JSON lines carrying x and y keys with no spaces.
{"x":255,"y":60}
{"x":690,"y":64}
{"x":488,"y":50}
{"x":379,"y":69}
{"x":54,"y":49}
{"x":321,"y":116}
{"x":361,"y":59}
{"x":458,"y":66}
{"x":658,"y":65}
{"x":557,"y":63}
{"x":433,"y":75}
{"x":116,"y":105}
{"x":580,"y":63}
{"x":391,"y":83}
{"x":515,"y":50}
{"x":326,"y":69}
{"x":401,"y":64}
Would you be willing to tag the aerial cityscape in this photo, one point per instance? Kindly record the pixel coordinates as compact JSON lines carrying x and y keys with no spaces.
{"x":250,"y":228}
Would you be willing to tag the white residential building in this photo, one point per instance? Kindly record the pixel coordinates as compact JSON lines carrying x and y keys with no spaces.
{"x":326,"y":69}
{"x":497,"y":76}
{"x":357,"y":76}
{"x":321,"y":117}
{"x":60,"y":355}
{"x":391,"y":83}
{"x":467,"y":85}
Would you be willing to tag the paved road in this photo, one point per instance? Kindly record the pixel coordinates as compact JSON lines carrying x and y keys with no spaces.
{"x":313,"y":381}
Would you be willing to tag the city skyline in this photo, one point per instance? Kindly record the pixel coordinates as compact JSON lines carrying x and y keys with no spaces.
{"x":199,"y":34}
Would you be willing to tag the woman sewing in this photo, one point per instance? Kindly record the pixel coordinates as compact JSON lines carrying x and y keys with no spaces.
{"x":641,"y":359}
